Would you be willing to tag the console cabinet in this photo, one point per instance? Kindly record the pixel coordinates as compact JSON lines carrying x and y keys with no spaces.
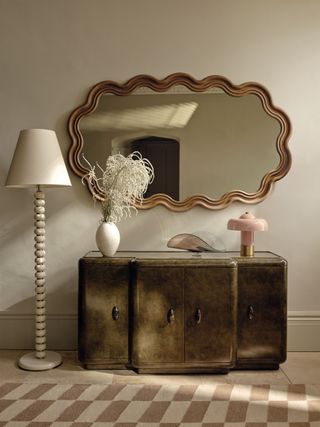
{"x":171,"y":312}
{"x":184,"y":315}
{"x":262,"y":312}
{"x":103,"y":313}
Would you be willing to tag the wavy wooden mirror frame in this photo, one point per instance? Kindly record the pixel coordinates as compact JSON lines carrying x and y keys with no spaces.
{"x":214,"y":81}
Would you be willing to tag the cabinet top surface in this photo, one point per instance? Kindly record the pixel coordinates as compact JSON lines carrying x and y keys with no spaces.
{"x":180,"y":255}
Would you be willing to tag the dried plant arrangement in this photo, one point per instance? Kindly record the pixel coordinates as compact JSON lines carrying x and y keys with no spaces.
{"x":123,"y":181}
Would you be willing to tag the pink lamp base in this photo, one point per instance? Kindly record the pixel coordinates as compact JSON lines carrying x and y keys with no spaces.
{"x":246,"y":250}
{"x":247,"y":224}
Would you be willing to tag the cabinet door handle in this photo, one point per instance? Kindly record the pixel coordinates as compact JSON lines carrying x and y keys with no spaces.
{"x":115,"y":313}
{"x":250,"y":312}
{"x":198,"y":315}
{"x":170,"y":315}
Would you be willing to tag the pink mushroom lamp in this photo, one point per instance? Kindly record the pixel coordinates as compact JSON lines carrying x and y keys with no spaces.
{"x":247,"y":224}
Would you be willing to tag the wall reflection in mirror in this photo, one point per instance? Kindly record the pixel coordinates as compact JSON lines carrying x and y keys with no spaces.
{"x":206,"y":143}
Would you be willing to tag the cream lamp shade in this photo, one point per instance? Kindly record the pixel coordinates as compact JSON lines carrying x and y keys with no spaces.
{"x":37,"y":160}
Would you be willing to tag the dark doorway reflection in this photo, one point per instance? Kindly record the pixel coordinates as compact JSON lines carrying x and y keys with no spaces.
{"x":164,"y":154}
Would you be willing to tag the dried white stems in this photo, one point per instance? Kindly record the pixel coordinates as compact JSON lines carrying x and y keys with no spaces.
{"x":123,"y":183}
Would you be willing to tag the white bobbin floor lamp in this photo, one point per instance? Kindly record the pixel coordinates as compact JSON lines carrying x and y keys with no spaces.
{"x":38,"y":162}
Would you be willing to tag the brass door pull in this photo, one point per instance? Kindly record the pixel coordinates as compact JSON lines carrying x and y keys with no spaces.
{"x":170,"y":315}
{"x":115,"y":313}
{"x":198,"y":315}
{"x":250,"y":312}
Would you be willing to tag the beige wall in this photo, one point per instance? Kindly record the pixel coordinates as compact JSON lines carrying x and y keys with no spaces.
{"x":52,"y":52}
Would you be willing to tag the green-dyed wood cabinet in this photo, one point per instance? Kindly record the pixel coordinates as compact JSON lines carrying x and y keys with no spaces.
{"x":184,"y":315}
{"x":262,"y":312}
{"x":103,"y":297}
{"x":166,"y":312}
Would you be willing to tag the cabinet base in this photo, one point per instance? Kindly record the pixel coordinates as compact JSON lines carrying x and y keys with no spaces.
{"x":272,"y":366}
{"x":100,"y":364}
{"x":157,"y":369}
{"x":103,"y":367}
{"x":240,"y":365}
{"x":181,"y":370}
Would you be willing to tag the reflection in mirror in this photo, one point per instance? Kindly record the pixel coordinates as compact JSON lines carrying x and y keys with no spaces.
{"x":207,"y":143}
{"x":210,"y":142}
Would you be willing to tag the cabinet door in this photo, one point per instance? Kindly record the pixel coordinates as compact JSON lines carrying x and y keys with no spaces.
{"x":158,"y":315}
{"x":262,"y":313}
{"x":210,"y":314}
{"x":103,"y":313}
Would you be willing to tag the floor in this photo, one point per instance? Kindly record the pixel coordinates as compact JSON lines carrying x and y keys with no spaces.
{"x":300,"y":368}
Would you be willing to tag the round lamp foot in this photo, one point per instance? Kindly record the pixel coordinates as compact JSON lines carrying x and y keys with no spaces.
{"x":30,"y":362}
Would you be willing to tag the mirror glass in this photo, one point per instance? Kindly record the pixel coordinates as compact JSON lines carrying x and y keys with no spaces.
{"x":199,"y":143}
{"x":211,"y":142}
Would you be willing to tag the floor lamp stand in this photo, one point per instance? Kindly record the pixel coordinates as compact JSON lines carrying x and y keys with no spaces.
{"x":40,"y":359}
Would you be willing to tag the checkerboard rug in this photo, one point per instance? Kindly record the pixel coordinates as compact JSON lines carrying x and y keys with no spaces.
{"x":124,"y":405}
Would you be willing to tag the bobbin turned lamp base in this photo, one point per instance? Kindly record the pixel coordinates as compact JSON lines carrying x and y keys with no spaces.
{"x":30,"y":362}
{"x":38,"y":162}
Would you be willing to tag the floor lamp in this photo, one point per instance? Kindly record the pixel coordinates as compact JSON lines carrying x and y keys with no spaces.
{"x":38,"y":162}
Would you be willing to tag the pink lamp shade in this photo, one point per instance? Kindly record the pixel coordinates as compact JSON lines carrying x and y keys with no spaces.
{"x":247,"y":224}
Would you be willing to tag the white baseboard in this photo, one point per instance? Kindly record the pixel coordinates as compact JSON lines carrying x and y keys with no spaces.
{"x":17,"y":331}
{"x":304,"y":331}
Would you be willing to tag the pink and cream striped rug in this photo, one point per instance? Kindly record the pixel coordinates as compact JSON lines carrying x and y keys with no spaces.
{"x":121,"y":405}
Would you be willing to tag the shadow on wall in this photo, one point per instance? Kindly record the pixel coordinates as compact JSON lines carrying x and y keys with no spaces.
{"x":64,"y":296}
{"x":17,"y":244}
{"x":17,"y":322}
{"x":16,"y":212}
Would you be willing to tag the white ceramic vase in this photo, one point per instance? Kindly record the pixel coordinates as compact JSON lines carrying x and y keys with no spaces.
{"x":108,"y":238}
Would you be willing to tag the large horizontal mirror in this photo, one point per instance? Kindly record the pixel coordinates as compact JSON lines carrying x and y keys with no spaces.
{"x":210,"y":142}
